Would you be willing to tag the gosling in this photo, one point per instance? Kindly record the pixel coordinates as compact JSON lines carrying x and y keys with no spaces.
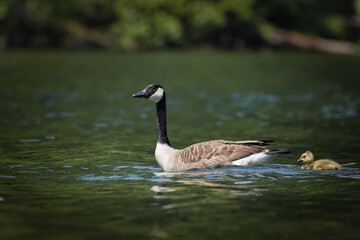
{"x":323,"y":164}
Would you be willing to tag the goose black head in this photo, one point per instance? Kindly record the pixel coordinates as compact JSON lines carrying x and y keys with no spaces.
{"x":153,"y":92}
{"x":307,"y":157}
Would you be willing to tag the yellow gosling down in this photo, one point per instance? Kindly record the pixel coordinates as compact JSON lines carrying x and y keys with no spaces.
{"x":323,"y":164}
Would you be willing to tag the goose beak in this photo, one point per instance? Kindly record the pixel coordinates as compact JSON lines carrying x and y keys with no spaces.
{"x":299,"y":160}
{"x":141,"y":94}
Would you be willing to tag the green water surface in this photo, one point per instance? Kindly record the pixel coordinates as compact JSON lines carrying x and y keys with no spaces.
{"x":77,"y":151}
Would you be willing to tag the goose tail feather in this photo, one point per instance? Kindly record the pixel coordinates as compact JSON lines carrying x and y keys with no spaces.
{"x":348,"y":164}
{"x":278,"y":151}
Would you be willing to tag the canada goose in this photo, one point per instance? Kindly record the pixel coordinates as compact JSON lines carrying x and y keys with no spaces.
{"x":323,"y":164}
{"x":210,"y":154}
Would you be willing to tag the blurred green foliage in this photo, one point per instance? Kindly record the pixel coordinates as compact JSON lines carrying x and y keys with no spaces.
{"x":154,"y":24}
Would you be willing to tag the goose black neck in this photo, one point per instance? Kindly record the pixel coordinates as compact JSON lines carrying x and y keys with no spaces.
{"x":161,"y":122}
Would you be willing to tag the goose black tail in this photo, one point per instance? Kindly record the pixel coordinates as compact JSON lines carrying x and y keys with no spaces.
{"x":279,"y":151}
{"x":258,"y":142}
{"x":267,"y":142}
{"x":348,"y":164}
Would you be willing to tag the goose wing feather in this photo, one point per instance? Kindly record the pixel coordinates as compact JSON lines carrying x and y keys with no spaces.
{"x":248,"y":142}
{"x":218,"y":152}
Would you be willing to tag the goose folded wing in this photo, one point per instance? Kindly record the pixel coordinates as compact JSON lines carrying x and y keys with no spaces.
{"x":218,"y":152}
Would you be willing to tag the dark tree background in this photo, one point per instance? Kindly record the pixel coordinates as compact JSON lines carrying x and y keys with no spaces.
{"x":159,"y":24}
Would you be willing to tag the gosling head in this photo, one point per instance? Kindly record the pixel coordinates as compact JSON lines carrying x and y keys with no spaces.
{"x":307,"y":157}
{"x":153,"y":92}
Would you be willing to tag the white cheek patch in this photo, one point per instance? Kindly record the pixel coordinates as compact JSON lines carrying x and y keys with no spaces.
{"x":157,"y":96}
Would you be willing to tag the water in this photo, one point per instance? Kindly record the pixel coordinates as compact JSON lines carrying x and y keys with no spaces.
{"x":77,"y":152}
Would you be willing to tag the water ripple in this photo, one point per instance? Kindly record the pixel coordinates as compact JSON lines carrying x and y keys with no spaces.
{"x":235,"y":174}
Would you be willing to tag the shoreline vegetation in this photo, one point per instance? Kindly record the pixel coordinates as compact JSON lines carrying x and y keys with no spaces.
{"x":140,"y":25}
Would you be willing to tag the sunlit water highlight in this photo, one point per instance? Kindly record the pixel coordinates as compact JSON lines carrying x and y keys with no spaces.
{"x":271,"y":172}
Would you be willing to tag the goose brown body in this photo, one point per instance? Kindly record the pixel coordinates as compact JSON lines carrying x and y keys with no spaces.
{"x":219,"y":151}
{"x":209,"y":154}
